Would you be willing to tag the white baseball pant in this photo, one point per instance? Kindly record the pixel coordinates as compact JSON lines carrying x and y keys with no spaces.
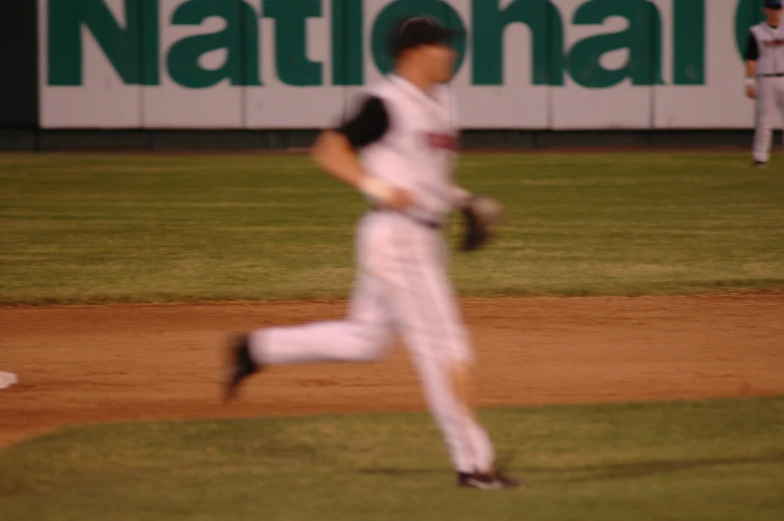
{"x":402,"y":286}
{"x":770,"y":97}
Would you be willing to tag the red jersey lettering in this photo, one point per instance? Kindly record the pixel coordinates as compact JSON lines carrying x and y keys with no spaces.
{"x":441,"y":141}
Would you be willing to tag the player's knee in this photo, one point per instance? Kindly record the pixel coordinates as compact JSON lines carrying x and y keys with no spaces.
{"x":368,"y":343}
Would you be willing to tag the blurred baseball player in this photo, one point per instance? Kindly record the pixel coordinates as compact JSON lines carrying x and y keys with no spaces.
{"x":398,"y":150}
{"x":765,"y":76}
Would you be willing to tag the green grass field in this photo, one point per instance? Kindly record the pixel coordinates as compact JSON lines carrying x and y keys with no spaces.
{"x":149,"y":228}
{"x":79,"y":228}
{"x":710,"y":460}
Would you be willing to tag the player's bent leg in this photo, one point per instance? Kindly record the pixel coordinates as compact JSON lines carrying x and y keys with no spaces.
{"x":239,"y":366}
{"x":345,"y":341}
{"x":363,"y":336}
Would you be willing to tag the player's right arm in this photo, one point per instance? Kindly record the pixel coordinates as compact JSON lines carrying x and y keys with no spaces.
{"x":752,"y":54}
{"x":336,"y":152}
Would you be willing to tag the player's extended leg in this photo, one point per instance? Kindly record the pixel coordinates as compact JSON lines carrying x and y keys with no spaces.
{"x":425,"y":310}
{"x":764,"y":110}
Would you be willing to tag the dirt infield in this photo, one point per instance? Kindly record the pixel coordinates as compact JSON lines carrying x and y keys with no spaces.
{"x":95,"y":364}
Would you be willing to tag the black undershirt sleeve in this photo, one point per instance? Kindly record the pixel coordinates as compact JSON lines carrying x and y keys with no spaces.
{"x":752,"y":50}
{"x":369,"y":124}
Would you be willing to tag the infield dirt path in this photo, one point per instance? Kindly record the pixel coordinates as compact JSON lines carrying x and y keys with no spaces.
{"x":95,"y":364}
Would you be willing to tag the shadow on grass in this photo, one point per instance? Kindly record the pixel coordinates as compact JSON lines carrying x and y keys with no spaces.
{"x":641,"y":469}
{"x":402,"y":472}
{"x":631,"y":470}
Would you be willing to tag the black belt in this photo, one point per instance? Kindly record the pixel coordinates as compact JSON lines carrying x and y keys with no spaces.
{"x":772,"y":75}
{"x":424,"y":222}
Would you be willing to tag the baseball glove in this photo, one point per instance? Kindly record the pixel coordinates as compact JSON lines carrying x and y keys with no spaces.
{"x":481,"y":214}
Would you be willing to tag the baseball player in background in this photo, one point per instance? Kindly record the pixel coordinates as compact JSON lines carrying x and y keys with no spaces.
{"x":398,"y":150}
{"x":765,"y":76}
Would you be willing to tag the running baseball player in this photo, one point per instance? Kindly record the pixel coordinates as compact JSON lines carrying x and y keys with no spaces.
{"x":765,"y":76}
{"x":398,"y":150}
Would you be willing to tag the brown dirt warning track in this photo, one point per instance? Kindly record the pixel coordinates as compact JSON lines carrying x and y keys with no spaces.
{"x":132,"y":362}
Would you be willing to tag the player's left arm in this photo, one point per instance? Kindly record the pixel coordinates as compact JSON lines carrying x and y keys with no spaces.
{"x":459,"y":196}
{"x":481,"y":215}
{"x":752,"y":55}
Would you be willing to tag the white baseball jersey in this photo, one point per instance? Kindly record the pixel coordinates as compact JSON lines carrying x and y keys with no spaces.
{"x":408,"y":138}
{"x":766,"y":47}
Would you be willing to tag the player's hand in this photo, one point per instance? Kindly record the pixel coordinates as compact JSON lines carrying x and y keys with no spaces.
{"x":751,"y":91}
{"x":385,"y":194}
{"x":399,"y":200}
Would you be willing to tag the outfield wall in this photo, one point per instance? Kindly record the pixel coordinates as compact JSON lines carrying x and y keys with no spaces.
{"x":31,"y":140}
{"x":539,"y":65}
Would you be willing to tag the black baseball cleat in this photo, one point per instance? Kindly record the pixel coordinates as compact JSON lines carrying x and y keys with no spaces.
{"x":239,"y":365}
{"x":760,"y":164}
{"x":478,"y":480}
{"x":487,"y":481}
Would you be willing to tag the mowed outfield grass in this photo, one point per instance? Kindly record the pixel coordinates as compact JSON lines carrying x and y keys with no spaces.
{"x":145,"y":228}
{"x":80,"y":228}
{"x":689,"y":461}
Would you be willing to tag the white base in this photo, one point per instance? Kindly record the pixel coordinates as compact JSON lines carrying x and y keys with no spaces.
{"x":7,"y":379}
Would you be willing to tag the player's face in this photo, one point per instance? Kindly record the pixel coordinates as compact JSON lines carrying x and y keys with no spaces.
{"x":439,"y":60}
{"x":773,"y":16}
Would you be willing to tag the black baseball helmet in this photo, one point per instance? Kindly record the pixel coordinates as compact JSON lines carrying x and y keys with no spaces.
{"x":773,"y":4}
{"x":419,"y":30}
